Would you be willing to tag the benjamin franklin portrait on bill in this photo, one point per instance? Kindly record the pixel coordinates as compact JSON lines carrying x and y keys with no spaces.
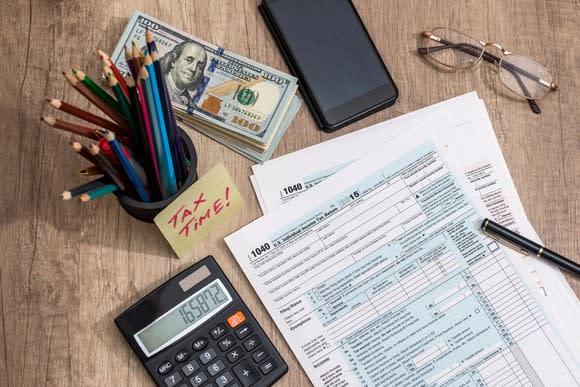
{"x":183,"y":68}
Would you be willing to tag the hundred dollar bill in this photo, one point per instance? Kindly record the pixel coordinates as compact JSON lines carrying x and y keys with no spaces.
{"x":252,"y":154}
{"x":213,"y":87}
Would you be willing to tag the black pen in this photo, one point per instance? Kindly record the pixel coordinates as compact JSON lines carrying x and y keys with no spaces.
{"x":518,"y":242}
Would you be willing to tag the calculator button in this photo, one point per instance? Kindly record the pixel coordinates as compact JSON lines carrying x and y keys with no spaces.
{"x":216,"y":368}
{"x":165,"y":367}
{"x":218,"y":331}
{"x":182,"y":356}
{"x":268,"y":366}
{"x":234,"y":355}
{"x":226,"y":343}
{"x":247,"y":374}
{"x":252,"y":343}
{"x":198,"y":379}
{"x":190,"y":368}
{"x":172,"y":379}
{"x":224,"y":379}
{"x":236,"y":319}
{"x":207,"y":356}
{"x":259,"y":355}
{"x":199,"y":343}
{"x":243,"y":331}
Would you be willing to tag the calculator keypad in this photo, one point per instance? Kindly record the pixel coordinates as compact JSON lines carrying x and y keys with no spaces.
{"x":216,"y":368}
{"x":224,"y":379}
{"x":252,"y":343}
{"x":208,"y":355}
{"x":165,"y":368}
{"x":198,"y":379}
{"x":173,"y":379}
{"x":246,"y":372}
{"x":190,"y":368}
{"x":244,"y":331}
{"x":182,"y":356}
{"x":234,"y":355}
{"x":218,"y":331}
{"x":226,"y":343}
{"x":234,"y":358}
{"x":259,"y":355}
{"x":268,"y":366}
{"x":199,"y":344}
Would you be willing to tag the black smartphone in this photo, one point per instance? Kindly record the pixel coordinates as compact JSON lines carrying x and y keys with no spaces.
{"x":327,"y":47}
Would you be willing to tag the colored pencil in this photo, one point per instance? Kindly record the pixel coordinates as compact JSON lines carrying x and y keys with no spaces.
{"x":147,"y":125}
{"x":97,"y":90}
{"x":173,"y":135}
{"x":130,"y":64}
{"x":85,"y":115}
{"x":83,"y":151}
{"x":106,"y":166}
{"x":124,"y":139}
{"x":91,"y":171}
{"x":71,"y":192}
{"x":85,"y":92}
{"x":107,"y":151}
{"x":141,"y":191}
{"x":151,"y":170}
{"x":136,"y":113}
{"x":137,"y":58}
{"x":98,"y":192}
{"x":125,"y":107}
{"x":70,"y":127}
{"x":162,"y":164}
{"x":171,"y":179}
{"x":107,"y":60}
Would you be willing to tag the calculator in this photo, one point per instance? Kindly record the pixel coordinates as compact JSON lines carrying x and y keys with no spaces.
{"x":195,"y":330}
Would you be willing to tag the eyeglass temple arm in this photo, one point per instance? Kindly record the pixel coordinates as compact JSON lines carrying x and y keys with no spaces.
{"x":474,"y":50}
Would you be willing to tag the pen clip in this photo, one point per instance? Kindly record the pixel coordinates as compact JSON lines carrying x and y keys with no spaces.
{"x":505,"y":243}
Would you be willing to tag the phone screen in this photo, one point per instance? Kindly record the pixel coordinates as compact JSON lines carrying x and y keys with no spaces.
{"x":335,"y":57}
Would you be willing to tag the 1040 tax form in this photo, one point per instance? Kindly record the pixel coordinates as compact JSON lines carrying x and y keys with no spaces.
{"x":380,"y":276}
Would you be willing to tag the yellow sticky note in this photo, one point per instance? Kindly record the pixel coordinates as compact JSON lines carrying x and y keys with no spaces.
{"x":209,"y":202}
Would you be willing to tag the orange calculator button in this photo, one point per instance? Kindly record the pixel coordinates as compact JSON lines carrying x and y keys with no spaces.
{"x":236,"y":319}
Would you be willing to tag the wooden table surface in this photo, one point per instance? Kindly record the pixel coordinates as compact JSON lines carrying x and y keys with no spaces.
{"x":67,"y":269}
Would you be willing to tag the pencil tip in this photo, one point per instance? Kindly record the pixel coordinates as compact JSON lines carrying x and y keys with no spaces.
{"x":66,"y":195}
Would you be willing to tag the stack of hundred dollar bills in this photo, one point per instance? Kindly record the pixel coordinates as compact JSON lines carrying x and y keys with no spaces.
{"x":242,"y":104}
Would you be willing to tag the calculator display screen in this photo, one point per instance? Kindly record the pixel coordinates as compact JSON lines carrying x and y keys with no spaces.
{"x":183,"y":318}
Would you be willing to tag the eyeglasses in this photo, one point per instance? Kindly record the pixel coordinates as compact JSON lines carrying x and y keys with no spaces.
{"x":456,"y":51}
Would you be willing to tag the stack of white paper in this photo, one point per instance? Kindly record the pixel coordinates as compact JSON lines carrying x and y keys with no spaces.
{"x":375,"y":269}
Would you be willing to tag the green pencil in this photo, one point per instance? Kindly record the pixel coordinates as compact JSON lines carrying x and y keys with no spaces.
{"x":97,"y":90}
{"x":98,"y":192}
{"x":125,"y":107}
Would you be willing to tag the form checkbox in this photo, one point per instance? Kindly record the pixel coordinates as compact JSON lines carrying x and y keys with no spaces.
{"x":493,"y":246}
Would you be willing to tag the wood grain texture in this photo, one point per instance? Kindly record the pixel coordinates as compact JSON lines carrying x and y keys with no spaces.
{"x":67,"y":269}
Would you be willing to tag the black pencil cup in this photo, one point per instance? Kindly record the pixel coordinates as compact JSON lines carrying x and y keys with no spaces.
{"x":146,"y":211}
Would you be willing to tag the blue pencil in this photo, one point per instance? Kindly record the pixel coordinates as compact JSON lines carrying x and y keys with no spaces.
{"x":173,"y":135}
{"x":172,"y":183}
{"x":126,"y":164}
{"x":155,"y":132}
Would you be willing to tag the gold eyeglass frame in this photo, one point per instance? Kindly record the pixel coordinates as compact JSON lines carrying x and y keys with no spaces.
{"x":483,"y":54}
